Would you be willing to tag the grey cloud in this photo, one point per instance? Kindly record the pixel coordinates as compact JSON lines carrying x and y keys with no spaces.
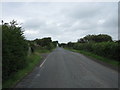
{"x":64,"y":21}
{"x":34,"y":23}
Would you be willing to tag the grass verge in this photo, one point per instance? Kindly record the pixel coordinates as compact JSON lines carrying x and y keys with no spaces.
{"x":109,"y":61}
{"x":32,"y":61}
{"x":43,"y":50}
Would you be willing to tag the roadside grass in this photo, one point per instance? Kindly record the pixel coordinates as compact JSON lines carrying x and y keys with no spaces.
{"x":32,"y":61}
{"x":43,"y":50}
{"x":109,"y":61}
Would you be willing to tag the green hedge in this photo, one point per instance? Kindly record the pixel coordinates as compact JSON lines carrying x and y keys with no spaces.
{"x":14,"y":50}
{"x":105,"y":49}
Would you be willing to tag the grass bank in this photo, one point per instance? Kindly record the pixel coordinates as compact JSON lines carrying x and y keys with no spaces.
{"x":103,"y":59}
{"x":32,"y":61}
{"x":43,"y":50}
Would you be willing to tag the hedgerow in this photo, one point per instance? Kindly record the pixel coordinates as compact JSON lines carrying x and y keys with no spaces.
{"x":105,"y":49}
{"x":14,"y":49}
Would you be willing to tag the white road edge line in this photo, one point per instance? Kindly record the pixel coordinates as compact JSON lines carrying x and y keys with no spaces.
{"x":44,"y":61}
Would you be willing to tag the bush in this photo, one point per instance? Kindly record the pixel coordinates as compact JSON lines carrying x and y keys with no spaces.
{"x":105,"y":49}
{"x":14,"y":49}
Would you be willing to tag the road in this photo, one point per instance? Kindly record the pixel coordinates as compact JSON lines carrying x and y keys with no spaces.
{"x":66,"y":69}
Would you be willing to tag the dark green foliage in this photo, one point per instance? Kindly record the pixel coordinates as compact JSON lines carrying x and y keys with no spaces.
{"x":14,"y":49}
{"x":50,"y":46}
{"x":98,"y":44}
{"x":43,"y":42}
{"x":81,"y":40}
{"x":46,"y":43}
{"x":95,"y":38}
{"x":62,"y":45}
{"x":55,"y":43}
{"x":105,"y":49}
{"x":70,"y":44}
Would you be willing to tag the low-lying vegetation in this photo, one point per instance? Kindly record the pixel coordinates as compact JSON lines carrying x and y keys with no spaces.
{"x":94,"y":56}
{"x":32,"y":60}
{"x":14,"y":50}
{"x":99,"y":45}
{"x":20,"y":56}
{"x":105,"y":49}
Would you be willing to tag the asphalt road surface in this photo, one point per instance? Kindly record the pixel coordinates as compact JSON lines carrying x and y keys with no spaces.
{"x":66,"y":69}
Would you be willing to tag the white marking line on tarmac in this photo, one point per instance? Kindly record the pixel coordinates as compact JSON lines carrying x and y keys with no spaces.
{"x":44,"y":61}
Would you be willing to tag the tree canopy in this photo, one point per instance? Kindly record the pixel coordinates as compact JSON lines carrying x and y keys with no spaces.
{"x":14,"y":48}
{"x":95,"y":38}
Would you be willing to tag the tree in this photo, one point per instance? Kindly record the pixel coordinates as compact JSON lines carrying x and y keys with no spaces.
{"x":44,"y":41}
{"x":81,"y":40}
{"x":70,"y":44}
{"x":55,"y":43}
{"x":14,"y":49}
{"x":103,"y":38}
{"x":95,"y":38}
{"x":62,"y":45}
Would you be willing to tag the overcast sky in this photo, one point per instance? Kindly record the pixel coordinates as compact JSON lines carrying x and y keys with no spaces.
{"x":63,"y":21}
